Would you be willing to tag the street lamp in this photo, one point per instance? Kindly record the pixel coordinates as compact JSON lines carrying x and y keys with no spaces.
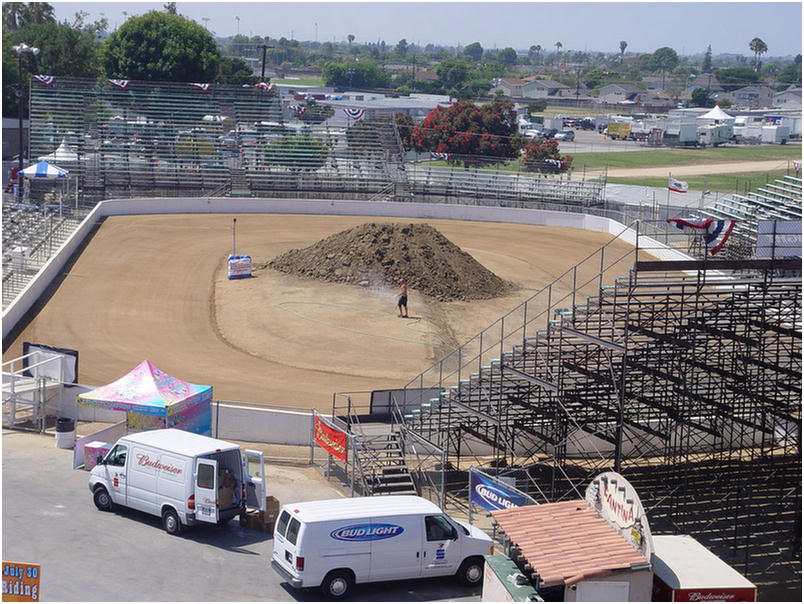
{"x":264,"y":48}
{"x":21,"y":49}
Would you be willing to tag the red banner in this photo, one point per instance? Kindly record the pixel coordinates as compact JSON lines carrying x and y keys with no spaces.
{"x":330,"y":439}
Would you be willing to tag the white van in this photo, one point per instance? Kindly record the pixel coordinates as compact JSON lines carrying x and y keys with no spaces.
{"x":336,"y":543}
{"x":182,"y":477}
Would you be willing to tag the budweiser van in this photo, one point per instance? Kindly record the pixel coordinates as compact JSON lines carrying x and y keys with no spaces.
{"x":336,"y":543}
{"x":184,"y":478}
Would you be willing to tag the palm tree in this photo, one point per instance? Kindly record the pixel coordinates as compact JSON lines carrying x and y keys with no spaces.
{"x":759,"y":48}
{"x":351,"y":39}
{"x":623,"y":46}
{"x":12,"y":12}
{"x":558,"y":46}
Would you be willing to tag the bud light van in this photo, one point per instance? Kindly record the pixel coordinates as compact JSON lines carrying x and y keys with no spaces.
{"x":336,"y":543}
{"x":181,"y":477}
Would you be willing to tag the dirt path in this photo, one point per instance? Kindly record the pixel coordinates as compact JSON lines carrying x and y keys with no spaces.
{"x":154,"y":287}
{"x":699,"y":169}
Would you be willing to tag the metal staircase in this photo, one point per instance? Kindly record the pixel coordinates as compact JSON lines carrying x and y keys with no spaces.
{"x":382,"y":461}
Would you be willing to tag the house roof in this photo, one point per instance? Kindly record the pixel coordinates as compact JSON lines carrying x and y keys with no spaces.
{"x":513,"y":81}
{"x":568,"y":542}
{"x":630,"y":88}
{"x":548,"y":83}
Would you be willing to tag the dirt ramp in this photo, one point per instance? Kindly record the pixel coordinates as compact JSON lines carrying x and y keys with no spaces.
{"x":379,"y":254}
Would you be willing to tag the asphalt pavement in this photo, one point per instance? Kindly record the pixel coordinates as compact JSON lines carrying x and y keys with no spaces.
{"x":87,"y":555}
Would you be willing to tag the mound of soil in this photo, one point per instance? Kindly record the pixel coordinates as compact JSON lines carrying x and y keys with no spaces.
{"x":377,"y":255}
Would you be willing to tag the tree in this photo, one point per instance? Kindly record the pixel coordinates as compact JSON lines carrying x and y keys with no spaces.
{"x":11,"y":15}
{"x":736,"y":77}
{"x":706,"y":66}
{"x":358,"y":74}
{"x":170,"y":8}
{"x":700,"y":98}
{"x":452,"y":73}
{"x":758,"y":47}
{"x":507,"y":56}
{"x":664,"y":59}
{"x":351,"y":39}
{"x":467,"y":130}
{"x":474,"y":51}
{"x":623,"y":46}
{"x":63,"y":50}
{"x":234,"y":70}
{"x":296,"y":153}
{"x":791,"y":75}
{"x":161,"y":46}
{"x":402,"y":48}
{"x":724,"y":103}
{"x":541,"y":155}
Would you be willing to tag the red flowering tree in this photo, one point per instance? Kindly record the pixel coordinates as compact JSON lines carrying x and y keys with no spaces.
{"x":541,"y":155}
{"x":469,"y":133}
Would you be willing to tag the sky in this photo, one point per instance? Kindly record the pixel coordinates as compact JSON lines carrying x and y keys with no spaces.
{"x":687,"y":27}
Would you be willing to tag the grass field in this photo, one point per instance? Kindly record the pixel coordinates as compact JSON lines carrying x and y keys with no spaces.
{"x":687,"y":157}
{"x":724,"y":183}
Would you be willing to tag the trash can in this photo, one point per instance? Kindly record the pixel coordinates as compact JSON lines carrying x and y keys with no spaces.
{"x":65,"y":433}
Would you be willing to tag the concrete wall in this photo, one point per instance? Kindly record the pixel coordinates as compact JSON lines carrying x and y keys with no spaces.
{"x":224,"y":205}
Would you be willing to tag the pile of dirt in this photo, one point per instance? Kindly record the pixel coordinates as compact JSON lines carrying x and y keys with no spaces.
{"x":378,"y":255}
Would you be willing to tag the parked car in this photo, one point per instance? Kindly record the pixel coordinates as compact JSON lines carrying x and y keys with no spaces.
{"x":586,"y":124}
{"x":549,"y":132}
{"x":565,"y":135}
{"x":534,"y":133}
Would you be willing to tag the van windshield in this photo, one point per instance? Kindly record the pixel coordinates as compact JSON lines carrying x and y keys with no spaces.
{"x":283,"y":523}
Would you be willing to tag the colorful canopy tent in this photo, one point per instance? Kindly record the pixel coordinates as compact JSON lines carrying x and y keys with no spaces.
{"x":44,"y":170}
{"x":153,"y":399}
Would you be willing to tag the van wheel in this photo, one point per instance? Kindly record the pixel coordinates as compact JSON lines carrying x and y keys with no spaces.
{"x":171,"y":522}
{"x":471,"y":572}
{"x":102,"y":500}
{"x":337,"y":584}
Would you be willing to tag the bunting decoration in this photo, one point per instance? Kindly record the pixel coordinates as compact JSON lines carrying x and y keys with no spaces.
{"x":120,"y":83}
{"x":45,"y":79}
{"x":300,"y":109}
{"x":203,"y":87}
{"x":264,"y":86}
{"x":717,"y":231}
{"x":353,"y":112}
{"x":444,"y":156}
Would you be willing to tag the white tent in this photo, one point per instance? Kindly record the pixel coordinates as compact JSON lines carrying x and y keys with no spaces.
{"x":63,"y":153}
{"x":716,"y":114}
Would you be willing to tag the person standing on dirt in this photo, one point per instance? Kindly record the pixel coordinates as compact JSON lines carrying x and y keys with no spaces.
{"x":403,"y":298}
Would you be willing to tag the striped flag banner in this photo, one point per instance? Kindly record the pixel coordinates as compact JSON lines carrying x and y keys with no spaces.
{"x":203,"y":87}
{"x":717,"y":231}
{"x":353,"y":112}
{"x":264,"y":86}
{"x":120,"y":83}
{"x":45,"y":79}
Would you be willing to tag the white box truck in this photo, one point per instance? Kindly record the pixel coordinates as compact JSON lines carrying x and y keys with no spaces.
{"x":336,"y":543}
{"x":182,"y":477}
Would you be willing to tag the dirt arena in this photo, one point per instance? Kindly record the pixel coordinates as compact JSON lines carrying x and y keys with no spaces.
{"x":155,"y":287}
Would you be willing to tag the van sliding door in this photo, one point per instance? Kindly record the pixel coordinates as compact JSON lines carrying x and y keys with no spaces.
{"x":206,"y":490}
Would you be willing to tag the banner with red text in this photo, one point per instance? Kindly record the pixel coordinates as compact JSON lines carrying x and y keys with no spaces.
{"x":329,"y":438}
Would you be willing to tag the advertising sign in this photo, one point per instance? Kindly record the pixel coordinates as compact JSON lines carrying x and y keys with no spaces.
{"x":616,"y":501}
{"x":239,"y":266}
{"x":492,"y":494}
{"x":20,"y":582}
{"x":329,"y":438}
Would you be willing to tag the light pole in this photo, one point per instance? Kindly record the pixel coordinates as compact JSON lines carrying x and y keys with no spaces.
{"x":21,"y":49}
{"x":238,"y":25}
{"x":206,"y":22}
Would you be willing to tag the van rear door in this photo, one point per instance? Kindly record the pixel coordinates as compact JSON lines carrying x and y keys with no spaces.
{"x":254,"y":476}
{"x":206,"y":490}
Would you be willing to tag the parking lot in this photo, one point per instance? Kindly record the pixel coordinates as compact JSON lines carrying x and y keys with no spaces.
{"x":87,"y":555}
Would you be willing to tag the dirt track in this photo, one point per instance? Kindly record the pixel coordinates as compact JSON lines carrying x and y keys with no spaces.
{"x":155,"y":287}
{"x":698,"y":169}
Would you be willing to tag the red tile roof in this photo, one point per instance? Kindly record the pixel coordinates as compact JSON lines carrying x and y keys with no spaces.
{"x":567,"y":542}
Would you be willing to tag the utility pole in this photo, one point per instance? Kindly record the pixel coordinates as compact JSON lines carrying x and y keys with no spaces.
{"x":264,"y":48}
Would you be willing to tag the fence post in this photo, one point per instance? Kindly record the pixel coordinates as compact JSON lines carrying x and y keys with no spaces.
{"x":312,"y":436}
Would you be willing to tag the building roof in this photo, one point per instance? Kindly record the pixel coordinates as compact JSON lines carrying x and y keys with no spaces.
{"x":513,"y":81}
{"x":568,"y":542}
